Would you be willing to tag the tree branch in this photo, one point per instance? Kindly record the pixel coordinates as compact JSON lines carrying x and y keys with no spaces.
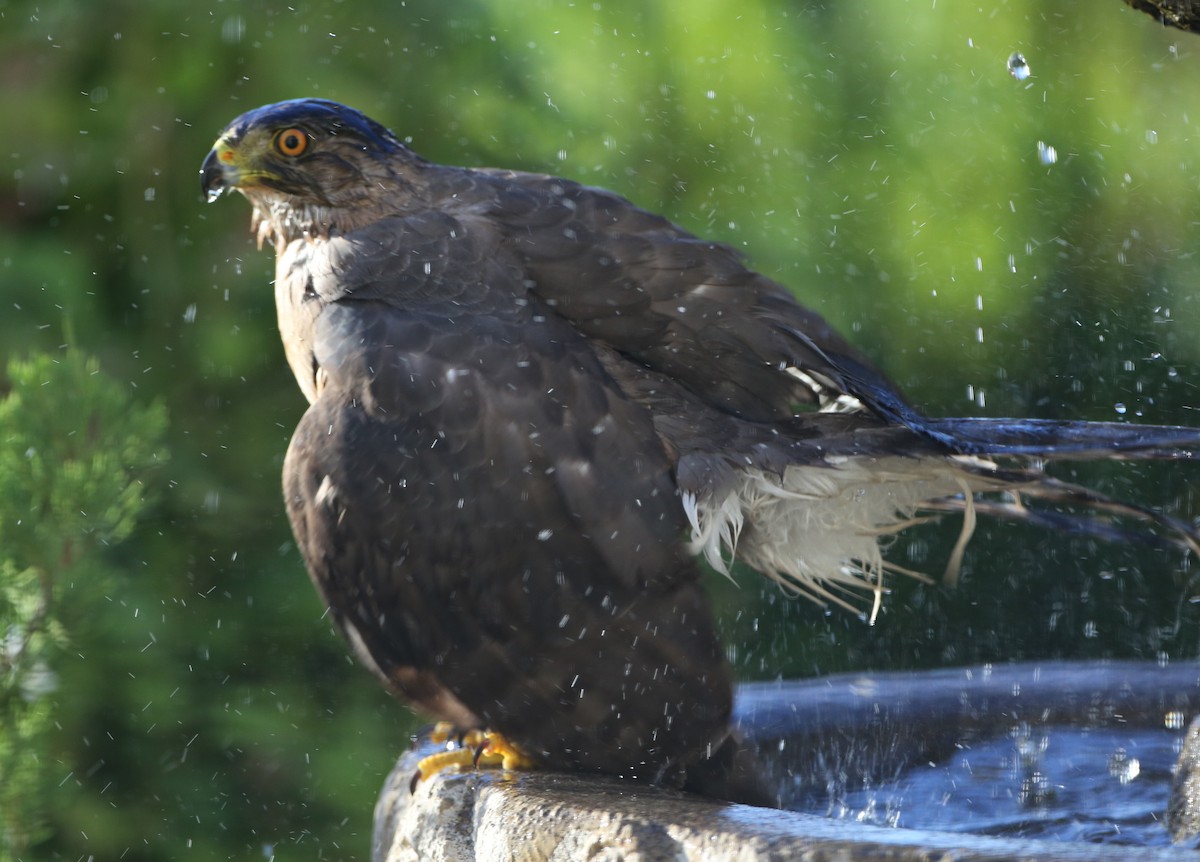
{"x":1183,"y":14}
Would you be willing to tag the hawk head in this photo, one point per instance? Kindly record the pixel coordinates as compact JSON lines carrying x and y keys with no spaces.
{"x":309,"y":166}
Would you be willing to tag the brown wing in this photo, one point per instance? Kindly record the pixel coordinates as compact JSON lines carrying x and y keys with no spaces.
{"x":685,"y":307}
{"x":495,"y":526}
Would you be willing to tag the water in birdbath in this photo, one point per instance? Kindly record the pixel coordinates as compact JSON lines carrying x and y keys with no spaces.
{"x":1069,"y":752}
{"x":1059,"y":783}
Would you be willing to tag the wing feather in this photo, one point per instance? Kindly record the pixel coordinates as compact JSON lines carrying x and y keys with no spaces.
{"x":682,"y":306}
{"x":489,"y":483}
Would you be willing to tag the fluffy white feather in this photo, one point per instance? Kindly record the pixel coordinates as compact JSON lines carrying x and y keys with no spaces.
{"x":817,"y":529}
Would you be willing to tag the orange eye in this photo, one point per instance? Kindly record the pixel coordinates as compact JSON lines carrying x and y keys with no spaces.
{"x":291,"y":142}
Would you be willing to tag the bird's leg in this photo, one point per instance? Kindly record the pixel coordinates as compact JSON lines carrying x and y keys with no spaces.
{"x":481,"y":749}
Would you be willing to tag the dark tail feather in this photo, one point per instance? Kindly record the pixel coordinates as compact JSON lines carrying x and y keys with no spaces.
{"x":1082,"y":511}
{"x":1075,"y":509}
{"x":1037,"y":438}
{"x":1049,"y":438}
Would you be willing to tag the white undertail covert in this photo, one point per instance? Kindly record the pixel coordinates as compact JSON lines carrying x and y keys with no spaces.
{"x":818,"y":530}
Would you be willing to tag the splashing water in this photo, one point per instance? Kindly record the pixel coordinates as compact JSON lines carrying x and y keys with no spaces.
{"x":1018,"y":66}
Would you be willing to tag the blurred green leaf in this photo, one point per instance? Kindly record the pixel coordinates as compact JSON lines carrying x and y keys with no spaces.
{"x":876,"y":158}
{"x":73,"y":451}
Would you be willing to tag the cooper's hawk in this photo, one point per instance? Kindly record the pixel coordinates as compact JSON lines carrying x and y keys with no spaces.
{"x":533,"y":405}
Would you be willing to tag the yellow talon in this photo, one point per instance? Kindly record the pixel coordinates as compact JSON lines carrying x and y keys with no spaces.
{"x":498,"y":752}
{"x":483,"y":749}
{"x":435,"y":763}
{"x":474,"y":739}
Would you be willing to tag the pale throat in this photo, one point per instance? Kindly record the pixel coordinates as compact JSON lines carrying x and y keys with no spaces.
{"x":280,"y":219}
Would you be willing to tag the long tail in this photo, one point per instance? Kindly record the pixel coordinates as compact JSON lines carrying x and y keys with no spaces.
{"x":1088,"y":512}
{"x":1048,"y":438}
{"x":1039,"y":438}
{"x":816,"y":525}
{"x":1077,"y":509}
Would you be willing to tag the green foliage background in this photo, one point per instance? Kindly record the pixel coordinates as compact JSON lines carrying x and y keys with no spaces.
{"x":72,"y":483}
{"x":877,"y":157}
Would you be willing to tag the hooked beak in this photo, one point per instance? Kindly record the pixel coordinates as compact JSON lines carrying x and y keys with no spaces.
{"x":218,"y":174}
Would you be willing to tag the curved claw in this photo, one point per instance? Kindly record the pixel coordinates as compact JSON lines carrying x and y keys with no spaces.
{"x":497,"y":752}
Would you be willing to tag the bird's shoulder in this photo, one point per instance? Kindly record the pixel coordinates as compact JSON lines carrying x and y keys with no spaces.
{"x":684,"y":306}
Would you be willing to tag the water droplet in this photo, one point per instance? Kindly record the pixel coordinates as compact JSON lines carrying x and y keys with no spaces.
{"x":1120,"y":408}
{"x":1123,"y":767}
{"x":189,"y":313}
{"x":1047,"y":155}
{"x":1036,"y":790}
{"x":233,"y":29}
{"x":1018,"y":66}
